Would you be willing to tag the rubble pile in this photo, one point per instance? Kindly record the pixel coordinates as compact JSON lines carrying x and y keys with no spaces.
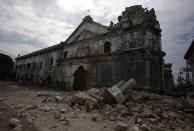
{"x":153,"y":112}
{"x":125,"y":109}
{"x":82,"y":98}
{"x":143,"y":110}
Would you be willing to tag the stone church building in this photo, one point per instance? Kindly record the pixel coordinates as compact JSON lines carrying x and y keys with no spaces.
{"x":95,"y":55}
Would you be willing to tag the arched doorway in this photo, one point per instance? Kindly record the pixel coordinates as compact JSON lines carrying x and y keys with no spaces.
{"x":80,"y":79}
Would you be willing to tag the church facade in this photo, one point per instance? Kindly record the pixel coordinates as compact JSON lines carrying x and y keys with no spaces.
{"x":95,"y":55}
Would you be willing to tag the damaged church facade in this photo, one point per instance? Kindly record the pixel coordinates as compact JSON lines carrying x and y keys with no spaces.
{"x":95,"y":55}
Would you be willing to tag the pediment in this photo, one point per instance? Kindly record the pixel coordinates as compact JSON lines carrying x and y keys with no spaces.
{"x":86,"y":30}
{"x":85,"y":34}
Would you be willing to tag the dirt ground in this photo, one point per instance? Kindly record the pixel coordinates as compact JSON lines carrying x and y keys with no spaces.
{"x":39,"y":110}
{"x":43,"y":117}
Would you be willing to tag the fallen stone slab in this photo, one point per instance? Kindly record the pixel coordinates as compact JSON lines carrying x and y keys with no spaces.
{"x":119,"y":92}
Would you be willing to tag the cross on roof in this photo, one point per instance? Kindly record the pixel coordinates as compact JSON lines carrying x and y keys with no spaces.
{"x":88,"y":12}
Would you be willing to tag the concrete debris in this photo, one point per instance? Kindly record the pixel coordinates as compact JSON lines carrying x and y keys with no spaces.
{"x":62,"y":118}
{"x":18,"y":128}
{"x":66,"y":122}
{"x":51,"y":99}
{"x":62,"y":110}
{"x":73,"y":115}
{"x":40,"y":94}
{"x":77,"y":110}
{"x":45,"y":109}
{"x":31,"y":107}
{"x":21,"y":114}
{"x":141,"y":111}
{"x":153,"y":97}
{"x":135,"y":128}
{"x":120,"y":126}
{"x":150,"y":115}
{"x":19,"y":106}
{"x":14,"y":122}
{"x":111,"y":118}
{"x":189,"y":101}
{"x":94,"y":91}
{"x":57,"y":115}
{"x":94,"y":117}
{"x":58,"y":99}
{"x":170,"y":115}
{"x":3,"y":99}
{"x":137,"y":96}
{"x":119,"y":92}
{"x":144,"y":127}
{"x":82,"y":98}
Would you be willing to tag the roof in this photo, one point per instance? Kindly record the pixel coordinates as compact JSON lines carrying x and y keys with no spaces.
{"x":190,"y":51}
{"x":62,"y":43}
{"x":41,"y":51}
{"x":85,"y":20}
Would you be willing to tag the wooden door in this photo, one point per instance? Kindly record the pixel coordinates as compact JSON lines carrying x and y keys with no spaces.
{"x":80,"y":79}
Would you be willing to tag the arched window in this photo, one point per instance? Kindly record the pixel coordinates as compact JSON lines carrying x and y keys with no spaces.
{"x":107,"y":47}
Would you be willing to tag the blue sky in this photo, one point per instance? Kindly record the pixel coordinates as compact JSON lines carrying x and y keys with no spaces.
{"x":29,"y":25}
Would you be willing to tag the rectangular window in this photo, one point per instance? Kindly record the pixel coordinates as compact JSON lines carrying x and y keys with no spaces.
{"x":51,"y":61}
{"x":40,"y":65}
{"x":34,"y":65}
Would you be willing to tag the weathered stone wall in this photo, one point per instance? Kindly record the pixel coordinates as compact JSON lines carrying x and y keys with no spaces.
{"x":38,"y":67}
{"x":108,"y":70}
{"x":129,"y":49}
{"x":103,"y":69}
